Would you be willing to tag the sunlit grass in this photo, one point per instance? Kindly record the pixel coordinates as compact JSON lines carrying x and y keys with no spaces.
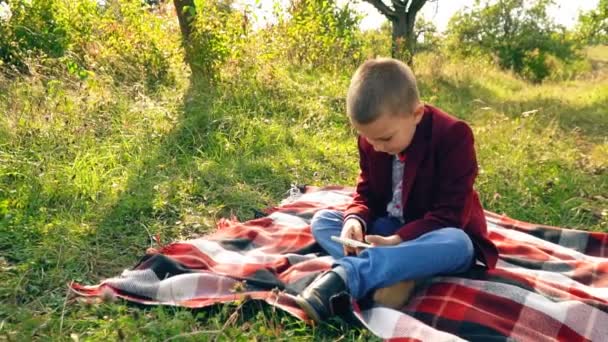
{"x":89,"y":171}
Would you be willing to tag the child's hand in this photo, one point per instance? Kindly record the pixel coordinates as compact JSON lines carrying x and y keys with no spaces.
{"x":352,"y":229}
{"x":379,"y":240}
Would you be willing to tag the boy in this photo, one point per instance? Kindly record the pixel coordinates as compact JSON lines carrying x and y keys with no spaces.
{"x":414,"y":199}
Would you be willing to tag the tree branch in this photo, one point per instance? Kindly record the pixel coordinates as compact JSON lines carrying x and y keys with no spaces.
{"x":418,"y":33}
{"x":399,"y":5}
{"x":415,"y":6}
{"x":184,"y":9}
{"x":383,"y":8}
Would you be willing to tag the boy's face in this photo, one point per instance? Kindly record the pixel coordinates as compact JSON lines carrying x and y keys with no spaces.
{"x":391,"y":133}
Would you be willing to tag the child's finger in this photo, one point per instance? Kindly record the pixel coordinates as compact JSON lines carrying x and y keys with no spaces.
{"x":349,"y":251}
{"x":371,"y":239}
{"x":374,"y":240}
{"x":346,"y":249}
{"x":357,"y":234}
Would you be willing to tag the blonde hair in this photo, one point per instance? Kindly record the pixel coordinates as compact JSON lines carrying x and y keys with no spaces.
{"x":381,"y":85}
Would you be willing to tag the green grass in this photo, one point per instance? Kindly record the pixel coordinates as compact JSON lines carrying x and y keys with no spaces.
{"x":89,"y":169}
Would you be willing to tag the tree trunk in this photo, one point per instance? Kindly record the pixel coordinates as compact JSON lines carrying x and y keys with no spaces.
{"x":185,"y":15}
{"x":184,"y":9}
{"x":403,"y":18}
{"x":410,"y":38}
{"x":404,"y":38}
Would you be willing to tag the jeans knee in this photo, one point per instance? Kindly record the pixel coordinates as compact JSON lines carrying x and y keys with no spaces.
{"x":460,"y":242}
{"x":323,"y":220}
{"x":322,"y":215}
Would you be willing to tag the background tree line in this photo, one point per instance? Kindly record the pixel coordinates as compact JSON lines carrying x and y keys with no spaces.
{"x":127,"y":38}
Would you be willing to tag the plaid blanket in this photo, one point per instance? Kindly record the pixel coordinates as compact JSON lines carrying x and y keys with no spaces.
{"x":549,"y":284}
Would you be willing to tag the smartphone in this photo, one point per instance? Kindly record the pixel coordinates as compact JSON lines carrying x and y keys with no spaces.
{"x":350,"y":242}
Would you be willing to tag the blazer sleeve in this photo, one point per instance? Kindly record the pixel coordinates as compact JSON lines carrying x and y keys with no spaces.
{"x":456,"y":172}
{"x":359,"y":207}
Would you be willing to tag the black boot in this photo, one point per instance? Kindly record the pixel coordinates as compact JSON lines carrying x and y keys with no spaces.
{"x":325,"y":297}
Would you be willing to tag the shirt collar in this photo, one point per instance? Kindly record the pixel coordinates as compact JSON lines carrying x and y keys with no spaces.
{"x":401,"y":156}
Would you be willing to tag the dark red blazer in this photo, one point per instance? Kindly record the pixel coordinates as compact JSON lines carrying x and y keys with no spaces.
{"x":440,"y":169}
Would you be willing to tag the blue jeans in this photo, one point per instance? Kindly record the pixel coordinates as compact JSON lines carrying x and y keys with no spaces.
{"x":440,"y":252}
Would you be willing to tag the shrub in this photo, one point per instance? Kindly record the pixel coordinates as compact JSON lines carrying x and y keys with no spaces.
{"x":318,"y":33}
{"x":30,"y":29}
{"x":120,"y":38}
{"x":592,"y":26}
{"x":520,"y":35}
{"x":219,"y":33}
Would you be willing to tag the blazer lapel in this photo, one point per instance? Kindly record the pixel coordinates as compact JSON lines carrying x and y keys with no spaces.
{"x":384,"y":164}
{"x":415,"y":153}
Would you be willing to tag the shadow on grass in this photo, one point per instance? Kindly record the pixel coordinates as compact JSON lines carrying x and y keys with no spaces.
{"x":190,"y":154}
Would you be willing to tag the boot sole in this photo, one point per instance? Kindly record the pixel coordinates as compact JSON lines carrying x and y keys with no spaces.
{"x":310,"y":311}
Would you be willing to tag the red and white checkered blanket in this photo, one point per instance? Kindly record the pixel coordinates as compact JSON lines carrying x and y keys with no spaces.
{"x":549,"y":284}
